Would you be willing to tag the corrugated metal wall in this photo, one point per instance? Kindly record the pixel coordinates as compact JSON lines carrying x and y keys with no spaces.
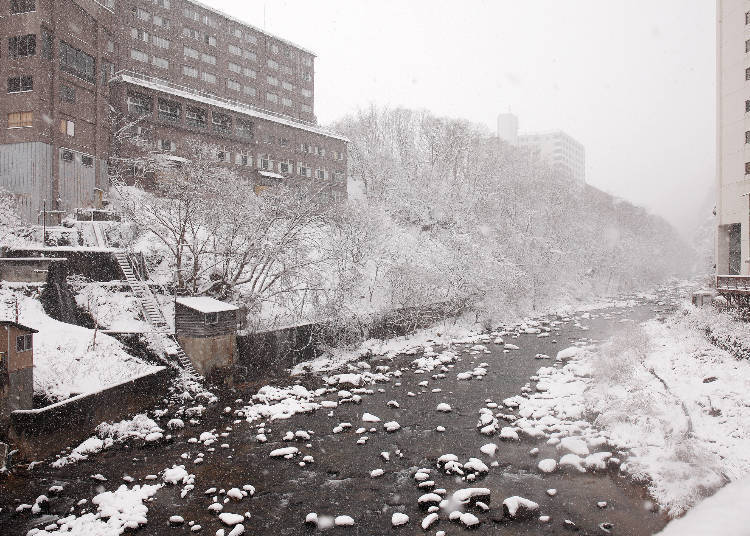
{"x":77,"y":182}
{"x":26,"y":170}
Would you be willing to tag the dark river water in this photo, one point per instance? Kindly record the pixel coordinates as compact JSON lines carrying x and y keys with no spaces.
{"x":338,"y":481}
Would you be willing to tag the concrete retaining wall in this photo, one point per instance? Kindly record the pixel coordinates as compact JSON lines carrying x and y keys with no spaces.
{"x":39,"y":433}
{"x":95,"y":264}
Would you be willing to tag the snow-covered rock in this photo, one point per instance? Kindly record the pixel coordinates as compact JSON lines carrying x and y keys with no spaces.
{"x":568,"y":353}
{"x":443,"y":407}
{"x":573,"y":445}
{"x":548,"y":465}
{"x":343,"y":521}
{"x":519,"y":508}
{"x":398,"y":519}
{"x":231,"y":519}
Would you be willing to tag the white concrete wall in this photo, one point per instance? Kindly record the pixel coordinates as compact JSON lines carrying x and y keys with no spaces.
{"x":732,"y":123}
{"x":507,"y":128}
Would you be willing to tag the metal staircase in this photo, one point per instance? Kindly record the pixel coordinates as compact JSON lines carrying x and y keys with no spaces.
{"x":152,"y":310}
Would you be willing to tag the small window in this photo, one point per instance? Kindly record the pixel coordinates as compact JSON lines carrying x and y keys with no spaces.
{"x":195,"y":117}
{"x":747,"y":73}
{"x":20,"y":119}
{"x":67,"y":127}
{"x":747,"y":17}
{"x":211,"y":318}
{"x":67,"y":156}
{"x":47,"y":44}
{"x":221,"y":122}
{"x":23,"y":343}
{"x":22,"y":46}
{"x":68,"y":94}
{"x":169,"y":110}
{"x":22,"y":6}
{"x":87,"y":161}
{"x":18,"y":84}
{"x":747,"y":168}
{"x":747,"y":106}
{"x":747,"y":45}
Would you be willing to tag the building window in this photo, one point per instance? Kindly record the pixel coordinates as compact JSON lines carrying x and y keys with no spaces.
{"x":234,"y":67}
{"x":208,"y":58}
{"x":286,"y":166}
{"x":265,"y":162}
{"x":272,"y":81}
{"x":224,"y":156}
{"x":210,"y":40}
{"x":304,"y":170}
{"x":139,"y":104}
{"x":286,"y":102}
{"x":747,"y":168}
{"x":189,"y":71}
{"x":306,"y":93}
{"x":139,"y":35}
{"x":747,"y":45}
{"x":233,"y":85}
{"x":23,"y":343}
{"x":169,"y":110}
{"x":288,"y":86}
{"x":21,"y":46}
{"x":190,"y":53}
{"x":68,"y":94}
{"x":747,"y":17}
{"x":747,"y":73}
{"x":321,"y":174}
{"x":243,"y":160}
{"x":245,"y":129}
{"x":234,"y":49}
{"x":138,"y":55}
{"x":747,"y":106}
{"x":195,"y":117}
{"x":22,"y":6}
{"x":162,"y":63}
{"x":67,"y":127}
{"x":47,"y":44}
{"x":306,"y":108}
{"x":20,"y":119}
{"x":272,"y":97}
{"x":167,"y":145}
{"x":77,"y":63}
{"x":160,"y":42}
{"x":67,"y":156}
{"x":208,"y":77}
{"x":18,"y":84}
{"x":87,"y":161}
{"x":272,"y":64}
{"x":221,"y":122}
{"x":249,"y":55}
{"x":162,"y":22}
{"x":107,"y":72}
{"x":249,"y":73}
{"x":249,"y":91}
{"x":141,"y":14}
{"x":250,"y":38}
{"x":211,"y":318}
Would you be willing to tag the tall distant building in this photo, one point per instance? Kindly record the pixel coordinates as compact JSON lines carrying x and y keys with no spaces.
{"x":560,"y":150}
{"x":186,"y":73}
{"x":557,"y":148}
{"x":507,"y":128}
{"x":732,"y":148}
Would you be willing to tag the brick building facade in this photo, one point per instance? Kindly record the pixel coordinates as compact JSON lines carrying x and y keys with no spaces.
{"x":190,"y":73}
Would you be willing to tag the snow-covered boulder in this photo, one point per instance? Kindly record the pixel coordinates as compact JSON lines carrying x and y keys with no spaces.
{"x":573,"y":462}
{"x":547,"y":465}
{"x":568,"y":353}
{"x":398,"y":519}
{"x":573,"y":445}
{"x":519,"y":508}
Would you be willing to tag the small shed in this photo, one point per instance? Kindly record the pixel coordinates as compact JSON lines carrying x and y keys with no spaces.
{"x":207,"y":331}
{"x":16,"y":367}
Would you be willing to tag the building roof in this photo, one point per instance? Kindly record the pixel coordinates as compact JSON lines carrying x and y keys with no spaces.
{"x":157,"y":84}
{"x":204,"y":304}
{"x":17,"y":325}
{"x":238,"y":21}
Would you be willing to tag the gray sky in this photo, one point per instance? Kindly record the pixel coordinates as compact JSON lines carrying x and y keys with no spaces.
{"x":633,"y":80}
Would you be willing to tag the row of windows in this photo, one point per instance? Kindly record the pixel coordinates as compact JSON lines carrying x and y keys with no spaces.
{"x":156,"y":61}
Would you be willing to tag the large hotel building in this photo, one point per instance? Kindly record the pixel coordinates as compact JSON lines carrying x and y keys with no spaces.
{"x":733,"y":137}
{"x":182,"y":72}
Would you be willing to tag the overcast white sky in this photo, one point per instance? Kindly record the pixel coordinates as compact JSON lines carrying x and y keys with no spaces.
{"x":633,"y":80}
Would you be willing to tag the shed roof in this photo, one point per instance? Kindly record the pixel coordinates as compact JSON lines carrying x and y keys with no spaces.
{"x":204,"y":304}
{"x":17,"y":325}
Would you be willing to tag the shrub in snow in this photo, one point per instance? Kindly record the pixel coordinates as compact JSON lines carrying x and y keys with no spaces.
{"x":519,"y":508}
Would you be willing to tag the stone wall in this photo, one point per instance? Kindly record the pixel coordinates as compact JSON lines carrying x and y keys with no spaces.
{"x":39,"y":433}
{"x":209,"y":353}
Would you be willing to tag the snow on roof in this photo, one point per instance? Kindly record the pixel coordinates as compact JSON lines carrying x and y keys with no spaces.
{"x":204,"y":304}
{"x":17,"y":325}
{"x":157,"y":84}
{"x":238,"y":21}
{"x":271,"y":174}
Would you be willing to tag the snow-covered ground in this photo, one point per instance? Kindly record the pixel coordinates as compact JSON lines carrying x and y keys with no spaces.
{"x":661,"y":393}
{"x":69,"y":359}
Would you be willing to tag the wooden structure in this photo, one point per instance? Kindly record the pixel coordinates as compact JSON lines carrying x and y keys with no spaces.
{"x":207,"y":331}
{"x":16,"y":367}
{"x":734,"y":288}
